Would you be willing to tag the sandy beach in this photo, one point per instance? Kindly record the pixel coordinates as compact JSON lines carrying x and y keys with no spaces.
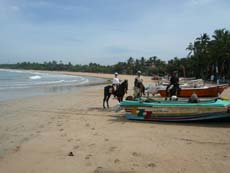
{"x":37,"y":135}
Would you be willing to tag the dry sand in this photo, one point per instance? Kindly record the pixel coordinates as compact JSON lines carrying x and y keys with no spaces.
{"x":38,"y":133}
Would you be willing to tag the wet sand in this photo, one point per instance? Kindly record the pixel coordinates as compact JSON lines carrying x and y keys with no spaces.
{"x":38,"y":134}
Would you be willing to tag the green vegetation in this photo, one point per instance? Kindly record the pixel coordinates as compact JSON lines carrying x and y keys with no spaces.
{"x":206,"y":57}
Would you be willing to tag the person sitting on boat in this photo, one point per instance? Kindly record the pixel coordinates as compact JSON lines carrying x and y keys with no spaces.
{"x":173,"y":86}
{"x":115,"y":82}
{"x":193,"y":98}
{"x":139,"y":88}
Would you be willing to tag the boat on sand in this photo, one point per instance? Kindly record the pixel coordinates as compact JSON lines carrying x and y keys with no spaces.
{"x":206,"y":91}
{"x":160,"y":110}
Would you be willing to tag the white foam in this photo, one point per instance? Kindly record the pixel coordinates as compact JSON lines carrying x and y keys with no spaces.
{"x":35,"y":77}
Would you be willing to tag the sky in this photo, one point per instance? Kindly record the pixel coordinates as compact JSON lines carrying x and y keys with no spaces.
{"x":105,"y":31}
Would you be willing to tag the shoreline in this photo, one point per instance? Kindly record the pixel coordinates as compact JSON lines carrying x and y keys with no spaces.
{"x":37,"y":135}
{"x":49,"y":88}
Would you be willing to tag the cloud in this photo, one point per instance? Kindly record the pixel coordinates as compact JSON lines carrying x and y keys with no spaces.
{"x":199,"y":2}
{"x":15,"y":8}
{"x":8,"y":10}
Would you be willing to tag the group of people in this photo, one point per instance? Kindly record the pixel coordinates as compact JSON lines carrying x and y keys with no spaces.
{"x":172,"y":89}
{"x":138,"y":84}
{"x":139,"y":88}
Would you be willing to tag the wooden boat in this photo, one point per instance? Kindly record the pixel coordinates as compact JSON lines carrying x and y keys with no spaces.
{"x":212,"y":91}
{"x":176,"y":110}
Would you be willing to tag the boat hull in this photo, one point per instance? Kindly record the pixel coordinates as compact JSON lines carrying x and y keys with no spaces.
{"x":212,"y":91}
{"x":176,"y":111}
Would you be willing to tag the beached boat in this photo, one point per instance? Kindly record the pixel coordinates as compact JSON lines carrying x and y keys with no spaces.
{"x":211,"y":91}
{"x":157,"y":110}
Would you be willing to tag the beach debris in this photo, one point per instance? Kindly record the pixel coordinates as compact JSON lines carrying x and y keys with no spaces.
{"x":71,"y":154}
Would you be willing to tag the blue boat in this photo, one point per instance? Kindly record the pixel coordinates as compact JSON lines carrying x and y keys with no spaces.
{"x":172,"y":110}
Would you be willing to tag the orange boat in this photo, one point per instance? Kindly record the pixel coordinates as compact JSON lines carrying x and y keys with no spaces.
{"x":211,"y":91}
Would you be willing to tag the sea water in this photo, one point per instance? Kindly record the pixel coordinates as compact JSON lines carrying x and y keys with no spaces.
{"x":16,"y":84}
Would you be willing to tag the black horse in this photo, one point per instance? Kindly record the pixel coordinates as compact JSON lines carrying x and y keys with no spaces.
{"x":119,"y":93}
{"x":172,"y":90}
{"x":141,"y":87}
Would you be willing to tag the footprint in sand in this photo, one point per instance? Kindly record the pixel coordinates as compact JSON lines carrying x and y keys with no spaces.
{"x":61,"y":130}
{"x":112,"y":149}
{"x":90,"y":145}
{"x":64,"y":135}
{"x":76,"y":147}
{"x":116,"y":161}
{"x":88,"y":156}
{"x":106,"y":139}
{"x":136,"y":154}
{"x":69,"y":140}
{"x":25,"y":139}
{"x":87,"y":125}
{"x":136,"y":165}
{"x":152,"y":165}
{"x":88,"y":164}
{"x":17,"y":148}
{"x":98,"y":169}
{"x":41,"y":126}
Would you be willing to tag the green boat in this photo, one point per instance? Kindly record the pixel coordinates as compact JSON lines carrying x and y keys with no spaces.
{"x":172,"y":110}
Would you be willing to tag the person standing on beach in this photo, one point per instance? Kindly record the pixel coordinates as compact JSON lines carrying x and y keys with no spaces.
{"x":138,"y":85}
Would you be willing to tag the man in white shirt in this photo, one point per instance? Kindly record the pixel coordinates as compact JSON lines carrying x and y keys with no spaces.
{"x":138,"y":85}
{"x":116,"y":82}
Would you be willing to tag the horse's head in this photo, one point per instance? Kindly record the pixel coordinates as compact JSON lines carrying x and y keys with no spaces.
{"x":124,"y":85}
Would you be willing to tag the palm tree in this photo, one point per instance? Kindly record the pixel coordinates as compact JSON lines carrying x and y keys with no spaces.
{"x":201,"y":57}
{"x":190,"y":48}
{"x":220,"y":49}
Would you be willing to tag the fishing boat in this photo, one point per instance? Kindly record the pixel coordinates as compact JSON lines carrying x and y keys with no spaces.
{"x":211,"y":91}
{"x":160,"y":110}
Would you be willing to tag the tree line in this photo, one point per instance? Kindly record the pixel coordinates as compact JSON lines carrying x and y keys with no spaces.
{"x":207,"y":55}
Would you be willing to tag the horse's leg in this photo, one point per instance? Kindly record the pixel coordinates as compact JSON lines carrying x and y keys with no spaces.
{"x":119,"y":99}
{"x":143,"y":89}
{"x":107,"y":100}
{"x":104,"y":102}
{"x":106,"y":92}
{"x":178,"y":92}
{"x":172,"y":92}
{"x":167,"y":92}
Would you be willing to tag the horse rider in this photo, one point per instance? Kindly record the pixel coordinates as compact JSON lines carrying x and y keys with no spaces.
{"x":115,"y":82}
{"x":138,"y":84}
{"x":174,"y":82}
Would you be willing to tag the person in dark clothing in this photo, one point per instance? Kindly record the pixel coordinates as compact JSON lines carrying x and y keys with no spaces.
{"x":173,"y":86}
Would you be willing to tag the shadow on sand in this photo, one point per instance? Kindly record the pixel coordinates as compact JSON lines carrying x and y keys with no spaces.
{"x":223,"y":123}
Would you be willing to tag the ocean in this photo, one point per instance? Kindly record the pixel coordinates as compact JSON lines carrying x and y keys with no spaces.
{"x":16,"y":84}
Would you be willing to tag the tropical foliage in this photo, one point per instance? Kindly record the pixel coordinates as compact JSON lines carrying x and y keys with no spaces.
{"x":206,"y":56}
